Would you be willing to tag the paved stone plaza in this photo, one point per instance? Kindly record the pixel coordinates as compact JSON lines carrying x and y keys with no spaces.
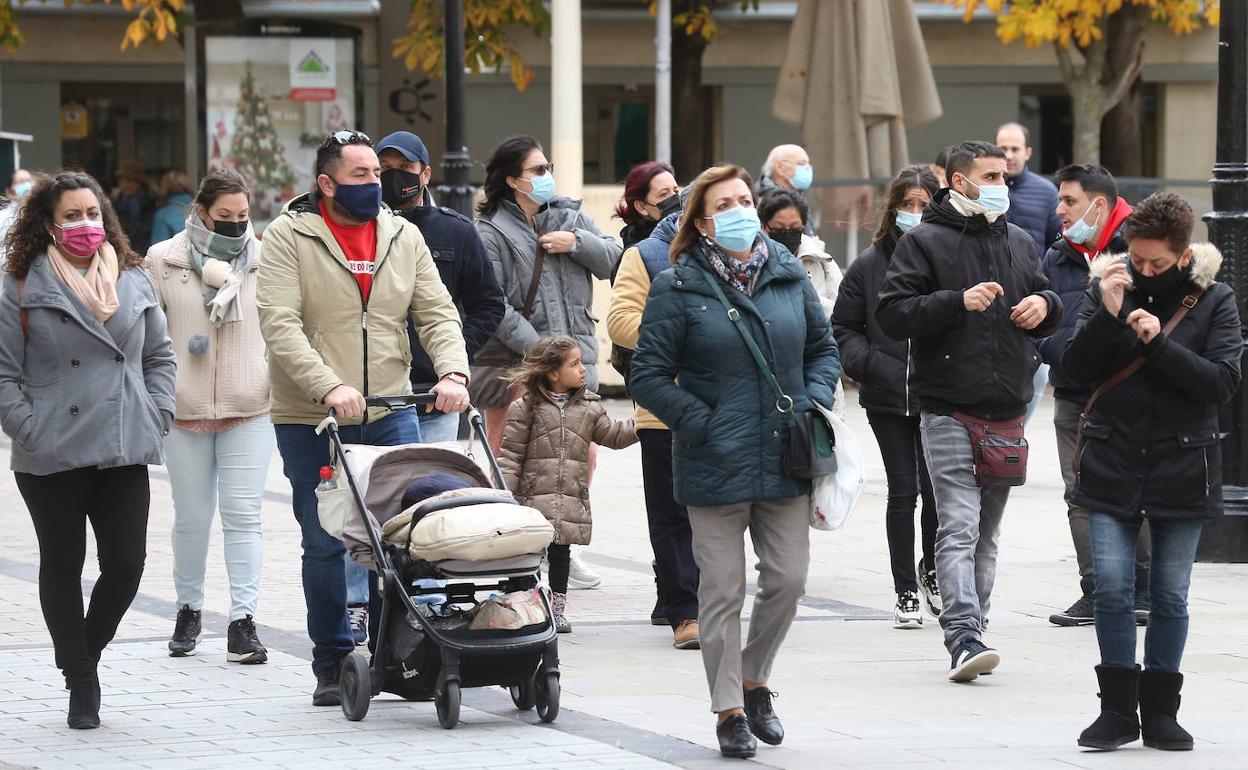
{"x":854,"y":692}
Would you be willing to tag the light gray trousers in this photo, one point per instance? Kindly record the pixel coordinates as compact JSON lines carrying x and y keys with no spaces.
{"x":969,"y":529}
{"x":780,"y":532}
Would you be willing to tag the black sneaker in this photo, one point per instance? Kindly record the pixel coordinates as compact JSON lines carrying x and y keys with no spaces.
{"x":358,"y":615}
{"x":326,"y":692}
{"x":1078,"y":614}
{"x":1143,"y":606}
{"x":972,"y":658}
{"x":907,"y":614}
{"x":930,"y":590}
{"x":187,"y":631}
{"x":242,"y":644}
{"x":658,"y":615}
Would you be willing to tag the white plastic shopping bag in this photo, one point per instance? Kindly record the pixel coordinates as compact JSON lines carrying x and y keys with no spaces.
{"x":833,"y":497}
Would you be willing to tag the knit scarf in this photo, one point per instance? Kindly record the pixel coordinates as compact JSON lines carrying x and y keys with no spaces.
{"x":741,"y":275}
{"x":98,"y":288}
{"x":222,"y":263}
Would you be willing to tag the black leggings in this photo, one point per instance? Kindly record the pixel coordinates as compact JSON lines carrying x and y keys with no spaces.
{"x":901,"y":448}
{"x":560,"y":558}
{"x":116,"y":501}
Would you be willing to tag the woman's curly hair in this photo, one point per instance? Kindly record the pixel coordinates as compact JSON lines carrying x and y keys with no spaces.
{"x":29,"y":236}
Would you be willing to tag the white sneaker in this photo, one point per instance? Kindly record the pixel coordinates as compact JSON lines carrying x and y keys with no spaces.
{"x":580,"y":575}
{"x":907,"y":613}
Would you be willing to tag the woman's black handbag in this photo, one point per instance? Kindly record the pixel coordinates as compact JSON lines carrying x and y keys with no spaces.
{"x":810,"y":449}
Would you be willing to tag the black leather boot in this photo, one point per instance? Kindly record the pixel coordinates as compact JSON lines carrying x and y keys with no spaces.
{"x":1117,"y":723}
{"x":735,"y":738}
{"x":763,"y":720}
{"x":84,"y":703}
{"x":1159,"y":705}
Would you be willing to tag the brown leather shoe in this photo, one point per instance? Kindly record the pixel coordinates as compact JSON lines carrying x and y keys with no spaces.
{"x":686,"y":636}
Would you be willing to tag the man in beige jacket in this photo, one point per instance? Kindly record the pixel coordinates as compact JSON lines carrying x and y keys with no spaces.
{"x":339,"y":278}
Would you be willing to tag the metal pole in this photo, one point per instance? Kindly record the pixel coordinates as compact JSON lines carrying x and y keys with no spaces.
{"x":567,"y":150}
{"x":455,"y":192}
{"x":1225,"y":538}
{"x":663,"y":81}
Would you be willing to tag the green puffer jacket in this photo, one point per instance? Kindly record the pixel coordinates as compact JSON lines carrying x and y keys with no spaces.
{"x":693,"y":370}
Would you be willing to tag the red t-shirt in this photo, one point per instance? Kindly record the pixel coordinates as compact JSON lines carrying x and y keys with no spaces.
{"x":359,"y":243}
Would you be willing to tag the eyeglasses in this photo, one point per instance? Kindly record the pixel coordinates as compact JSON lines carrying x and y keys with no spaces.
{"x":346,"y":137}
{"x":543,"y":170}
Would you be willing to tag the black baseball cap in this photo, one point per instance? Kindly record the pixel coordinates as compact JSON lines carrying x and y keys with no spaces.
{"x":406,"y":144}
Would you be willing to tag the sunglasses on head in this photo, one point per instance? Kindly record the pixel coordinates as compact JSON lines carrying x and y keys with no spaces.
{"x":347,"y":137}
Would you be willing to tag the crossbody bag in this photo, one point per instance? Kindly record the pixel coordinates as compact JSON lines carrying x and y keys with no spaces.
{"x":1125,"y":373}
{"x":810,"y":446}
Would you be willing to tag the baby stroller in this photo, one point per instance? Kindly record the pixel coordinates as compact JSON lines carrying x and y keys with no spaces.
{"x":426,"y":647}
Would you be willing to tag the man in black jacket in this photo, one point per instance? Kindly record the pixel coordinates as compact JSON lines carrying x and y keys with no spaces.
{"x":965,"y":286}
{"x":458,"y":254}
{"x":1093,"y":218}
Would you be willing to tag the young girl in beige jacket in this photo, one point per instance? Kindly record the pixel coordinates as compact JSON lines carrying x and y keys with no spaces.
{"x":545,"y":451}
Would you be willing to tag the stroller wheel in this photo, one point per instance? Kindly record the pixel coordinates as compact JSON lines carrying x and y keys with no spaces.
{"x":524,"y":696}
{"x":447,"y":703}
{"x":548,"y":696}
{"x":355,"y":684}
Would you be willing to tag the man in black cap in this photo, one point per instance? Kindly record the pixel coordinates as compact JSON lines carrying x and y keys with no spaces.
{"x":458,"y":254}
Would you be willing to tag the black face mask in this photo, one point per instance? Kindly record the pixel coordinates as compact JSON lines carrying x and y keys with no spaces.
{"x":229,"y":229}
{"x":398,"y":187}
{"x":1160,"y":285}
{"x":668,"y":206}
{"x":790,"y":239}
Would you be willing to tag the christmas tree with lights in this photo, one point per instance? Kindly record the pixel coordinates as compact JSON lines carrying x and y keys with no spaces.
{"x":255,"y":151}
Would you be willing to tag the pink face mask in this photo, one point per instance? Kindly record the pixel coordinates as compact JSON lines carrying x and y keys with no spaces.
{"x":82,"y":238}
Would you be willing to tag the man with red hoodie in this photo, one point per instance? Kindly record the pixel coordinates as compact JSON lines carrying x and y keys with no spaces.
{"x":1092,"y":217}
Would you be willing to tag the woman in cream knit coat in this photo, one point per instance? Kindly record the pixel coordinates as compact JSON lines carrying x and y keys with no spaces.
{"x":219,"y":448}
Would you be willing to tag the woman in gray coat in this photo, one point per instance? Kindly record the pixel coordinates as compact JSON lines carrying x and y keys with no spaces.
{"x":87,"y":396}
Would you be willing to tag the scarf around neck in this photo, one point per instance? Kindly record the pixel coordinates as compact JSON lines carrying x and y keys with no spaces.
{"x":222,"y":263}
{"x":98,"y":287}
{"x":969,"y":208}
{"x":743,"y":276}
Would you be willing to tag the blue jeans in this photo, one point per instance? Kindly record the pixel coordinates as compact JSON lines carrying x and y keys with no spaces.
{"x":226,"y":470}
{"x":438,"y":428}
{"x":1039,"y":382}
{"x":324,"y":579}
{"x":968,"y":531}
{"x":1113,"y":565}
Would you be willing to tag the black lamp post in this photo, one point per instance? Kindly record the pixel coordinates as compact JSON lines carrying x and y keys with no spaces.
{"x":455,"y":192}
{"x":1225,"y":538}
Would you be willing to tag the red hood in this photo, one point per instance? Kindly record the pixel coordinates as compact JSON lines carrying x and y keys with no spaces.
{"x":1117,"y":216}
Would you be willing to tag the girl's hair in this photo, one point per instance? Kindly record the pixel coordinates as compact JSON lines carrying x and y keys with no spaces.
{"x":507,"y":160}
{"x":173,"y":183}
{"x":919,"y":175}
{"x":689,"y":234}
{"x":220,"y":182}
{"x":543,"y":359}
{"x":637,"y":188}
{"x":28,"y":237}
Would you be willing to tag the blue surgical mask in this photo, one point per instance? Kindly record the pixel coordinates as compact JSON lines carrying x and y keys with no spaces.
{"x":543,"y":189}
{"x":362,"y":201}
{"x":803,"y":175}
{"x":22,"y":189}
{"x":1079,"y":230}
{"x":994,"y":197}
{"x":736,"y":228}
{"x":908,"y":219}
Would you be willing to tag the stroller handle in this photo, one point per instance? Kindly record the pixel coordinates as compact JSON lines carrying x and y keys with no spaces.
{"x":401,"y":402}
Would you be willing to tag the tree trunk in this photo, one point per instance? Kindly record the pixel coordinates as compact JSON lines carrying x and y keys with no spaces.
{"x":1122,"y":150}
{"x":1093,"y":91}
{"x":689,"y":106}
